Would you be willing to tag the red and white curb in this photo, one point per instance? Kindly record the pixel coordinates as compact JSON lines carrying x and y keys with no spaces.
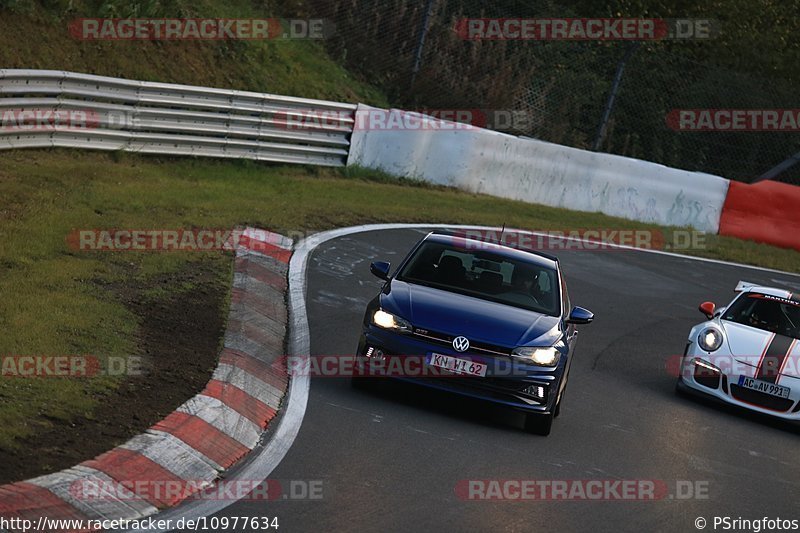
{"x":192,"y":446}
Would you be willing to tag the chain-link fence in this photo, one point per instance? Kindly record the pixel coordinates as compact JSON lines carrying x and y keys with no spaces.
{"x":412,"y":51}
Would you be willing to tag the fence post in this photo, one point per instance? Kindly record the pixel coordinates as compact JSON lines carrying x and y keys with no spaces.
{"x":779,"y":169}
{"x":601,"y":132}
{"x":423,"y":32}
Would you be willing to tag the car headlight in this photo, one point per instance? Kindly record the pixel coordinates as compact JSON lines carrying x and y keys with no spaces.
{"x":710,"y":339}
{"x":385,"y":320}
{"x":539,"y":356}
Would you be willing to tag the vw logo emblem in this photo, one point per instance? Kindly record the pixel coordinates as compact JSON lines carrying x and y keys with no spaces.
{"x":461,"y":343}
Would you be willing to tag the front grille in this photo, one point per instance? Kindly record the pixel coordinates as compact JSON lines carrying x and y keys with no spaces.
{"x":760,"y":399}
{"x":499,"y":388}
{"x":445,"y":339}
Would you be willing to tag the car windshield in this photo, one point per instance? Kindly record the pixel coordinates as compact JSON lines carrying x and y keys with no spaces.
{"x":486,"y":275}
{"x":770,"y":313}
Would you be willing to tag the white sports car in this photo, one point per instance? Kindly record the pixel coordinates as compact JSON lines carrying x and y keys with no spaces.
{"x":748,"y":353}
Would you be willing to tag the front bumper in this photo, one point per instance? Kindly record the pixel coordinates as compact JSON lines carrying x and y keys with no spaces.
{"x":717,"y":376}
{"x":521,"y":387}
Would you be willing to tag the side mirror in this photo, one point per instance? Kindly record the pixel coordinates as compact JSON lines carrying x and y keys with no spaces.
{"x":579,"y":315}
{"x":708,"y":308}
{"x":380,"y":269}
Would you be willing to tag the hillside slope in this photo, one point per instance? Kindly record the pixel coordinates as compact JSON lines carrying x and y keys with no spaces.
{"x":35,"y":36}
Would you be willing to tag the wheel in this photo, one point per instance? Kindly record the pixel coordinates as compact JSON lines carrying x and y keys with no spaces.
{"x":557,"y":410}
{"x":539,"y":424}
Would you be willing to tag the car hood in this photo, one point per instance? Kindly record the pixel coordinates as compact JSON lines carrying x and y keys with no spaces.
{"x":747,"y":344}
{"x":478,"y":320}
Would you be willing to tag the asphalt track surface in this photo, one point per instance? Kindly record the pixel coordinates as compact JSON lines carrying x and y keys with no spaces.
{"x":389,"y":460}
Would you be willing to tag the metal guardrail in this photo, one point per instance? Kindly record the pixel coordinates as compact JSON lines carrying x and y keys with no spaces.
{"x":161,"y":118}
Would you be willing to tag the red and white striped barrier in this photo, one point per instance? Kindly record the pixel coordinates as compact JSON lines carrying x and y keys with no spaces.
{"x":767,"y":212}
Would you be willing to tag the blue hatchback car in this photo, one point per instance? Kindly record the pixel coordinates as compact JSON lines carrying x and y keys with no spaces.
{"x":480,"y":319}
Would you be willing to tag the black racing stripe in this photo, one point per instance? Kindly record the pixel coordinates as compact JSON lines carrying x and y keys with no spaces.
{"x":776,"y":353}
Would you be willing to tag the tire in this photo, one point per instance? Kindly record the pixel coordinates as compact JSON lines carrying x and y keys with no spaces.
{"x":539,"y":424}
{"x":557,"y":410}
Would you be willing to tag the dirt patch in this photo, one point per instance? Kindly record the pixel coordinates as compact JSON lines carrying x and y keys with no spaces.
{"x":179,"y":337}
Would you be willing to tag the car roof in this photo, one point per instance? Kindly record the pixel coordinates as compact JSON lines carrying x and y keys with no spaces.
{"x":529,"y":256}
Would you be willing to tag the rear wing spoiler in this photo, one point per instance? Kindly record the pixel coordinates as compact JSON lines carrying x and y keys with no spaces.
{"x":742,"y":285}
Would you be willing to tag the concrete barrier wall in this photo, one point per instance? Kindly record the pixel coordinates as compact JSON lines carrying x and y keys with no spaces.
{"x":489,"y":162}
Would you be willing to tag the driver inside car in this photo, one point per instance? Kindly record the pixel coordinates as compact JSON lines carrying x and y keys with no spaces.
{"x":767,"y":316}
{"x":525,"y":281}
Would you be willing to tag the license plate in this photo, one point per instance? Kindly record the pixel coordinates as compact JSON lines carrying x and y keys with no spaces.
{"x":762,"y":386}
{"x":459,"y":366}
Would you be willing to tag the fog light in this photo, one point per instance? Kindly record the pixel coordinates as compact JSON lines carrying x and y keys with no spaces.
{"x":537,"y":391}
{"x":374,"y":353}
{"x":708,"y":368}
{"x":706,"y":374}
